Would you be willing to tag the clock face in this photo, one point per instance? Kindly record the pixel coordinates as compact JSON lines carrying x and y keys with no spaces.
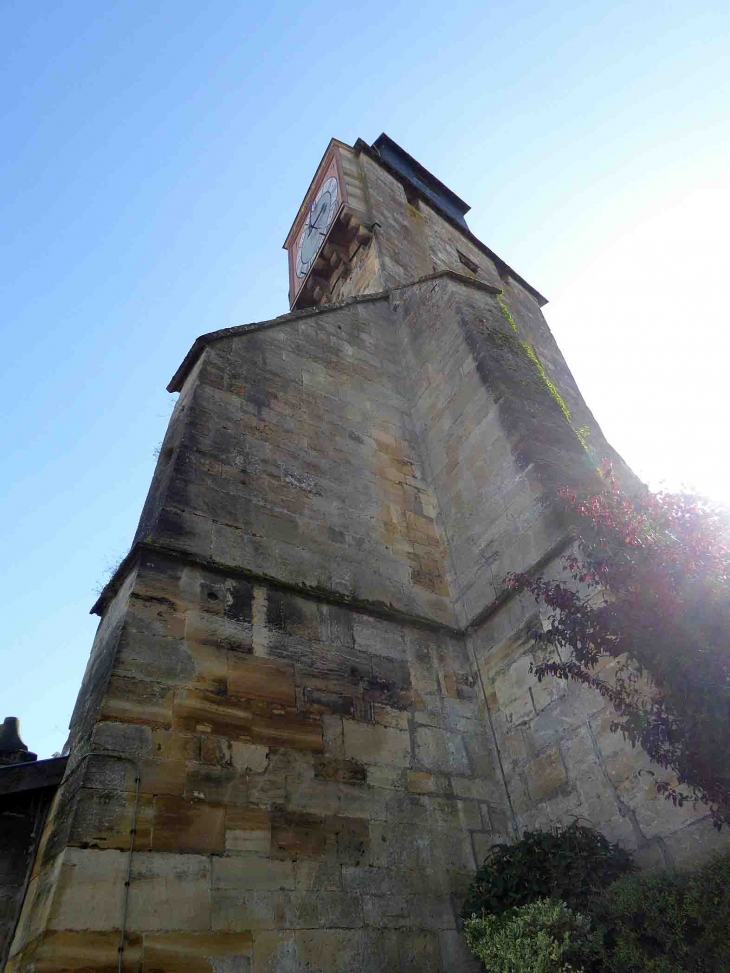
{"x":319,"y":219}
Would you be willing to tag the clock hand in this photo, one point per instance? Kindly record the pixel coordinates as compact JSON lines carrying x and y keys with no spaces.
{"x":309,"y":220}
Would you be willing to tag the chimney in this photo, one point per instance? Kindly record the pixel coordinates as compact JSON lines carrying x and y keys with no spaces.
{"x":12,"y":748}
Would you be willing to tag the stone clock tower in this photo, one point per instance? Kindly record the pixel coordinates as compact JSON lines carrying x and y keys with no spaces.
{"x":308,"y":712}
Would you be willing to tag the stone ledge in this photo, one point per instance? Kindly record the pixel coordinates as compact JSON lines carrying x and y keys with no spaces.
{"x":362,"y":606}
{"x":378,"y":610}
{"x":200,"y":343}
{"x":177,"y":380}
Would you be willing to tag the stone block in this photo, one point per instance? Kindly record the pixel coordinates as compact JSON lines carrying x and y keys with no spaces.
{"x":163,"y":776}
{"x":478,"y":789}
{"x":387,"y":716}
{"x":364,"y":803}
{"x":241,"y":910}
{"x":80,"y":951}
{"x":546,"y":775}
{"x":36,"y":913}
{"x":328,"y":951}
{"x":90,"y":890}
{"x":344,"y":771}
{"x":297,"y":834}
{"x":163,"y":660}
{"x":210,"y":667}
{"x":187,"y":826}
{"x":440,"y":751}
{"x":386,"y":912}
{"x":169,"y":892}
{"x":130,"y":738}
{"x":219,"y":633}
{"x":322,"y":876}
{"x":398,"y":846}
{"x":137,"y":701}
{"x":220,"y":785}
{"x":484,"y":841}
{"x":547,"y":691}
{"x":431,"y":912}
{"x":659,"y":816}
{"x":248,"y":829}
{"x":455,"y":955}
{"x":584,"y":767}
{"x":252,"y":873}
{"x":104,"y":819}
{"x":446,"y":812}
{"x":292,"y":614}
{"x":392,"y":778}
{"x":214,"y":751}
{"x":694,"y":845}
{"x":378,"y":881}
{"x":418,"y":952}
{"x":265,"y":723}
{"x":249,"y":757}
{"x":480,"y":749}
{"x":316,"y":796}
{"x":379,"y":637}
{"x":251,"y":677}
{"x":182,"y":952}
{"x":267,"y":789}
{"x":371,"y":743}
{"x":571,"y":710}
{"x":174,"y":745}
{"x":424,"y":782}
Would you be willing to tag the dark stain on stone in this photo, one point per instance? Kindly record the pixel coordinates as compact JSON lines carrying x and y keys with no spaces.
{"x":344,"y":771}
{"x":320,"y":701}
{"x":239,"y":601}
{"x":258,"y":397}
{"x":282,"y":611}
{"x":154,"y":599}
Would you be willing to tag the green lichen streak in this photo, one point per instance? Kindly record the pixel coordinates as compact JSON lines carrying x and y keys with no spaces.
{"x":530,"y":352}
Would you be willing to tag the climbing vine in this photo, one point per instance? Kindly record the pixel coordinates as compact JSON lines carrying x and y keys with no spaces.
{"x":648,"y":627}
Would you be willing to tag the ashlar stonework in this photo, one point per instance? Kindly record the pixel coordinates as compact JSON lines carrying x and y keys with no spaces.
{"x":308,"y":712}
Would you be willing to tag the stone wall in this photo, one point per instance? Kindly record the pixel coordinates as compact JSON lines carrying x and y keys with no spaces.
{"x":308,"y":712}
{"x":412,"y":239}
{"x":297,"y":460}
{"x":561,"y":760}
{"x":497,"y":443}
{"x":313,"y":781}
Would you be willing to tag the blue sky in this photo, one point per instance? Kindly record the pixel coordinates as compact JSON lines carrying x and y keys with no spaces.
{"x":155,"y":153}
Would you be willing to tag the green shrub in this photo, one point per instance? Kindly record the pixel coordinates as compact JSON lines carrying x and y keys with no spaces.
{"x":645,"y":925}
{"x":668,"y":922}
{"x":708,"y":906}
{"x":542,"y":937}
{"x":571,"y":863}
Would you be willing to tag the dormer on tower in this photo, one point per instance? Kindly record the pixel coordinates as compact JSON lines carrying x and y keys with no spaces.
{"x":375,"y":218}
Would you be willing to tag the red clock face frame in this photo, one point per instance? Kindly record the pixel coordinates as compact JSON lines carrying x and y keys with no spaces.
{"x":322,"y":212}
{"x":316,"y":217}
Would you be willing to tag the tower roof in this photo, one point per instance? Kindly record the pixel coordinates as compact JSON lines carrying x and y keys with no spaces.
{"x":419,"y":175}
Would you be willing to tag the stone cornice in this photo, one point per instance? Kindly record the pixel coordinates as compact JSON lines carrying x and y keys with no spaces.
{"x":200,"y":343}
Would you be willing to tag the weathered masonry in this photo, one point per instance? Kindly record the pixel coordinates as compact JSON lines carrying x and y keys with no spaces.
{"x":308,"y":710}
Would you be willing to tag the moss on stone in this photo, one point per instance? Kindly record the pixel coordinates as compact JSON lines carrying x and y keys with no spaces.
{"x":530,"y":352}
